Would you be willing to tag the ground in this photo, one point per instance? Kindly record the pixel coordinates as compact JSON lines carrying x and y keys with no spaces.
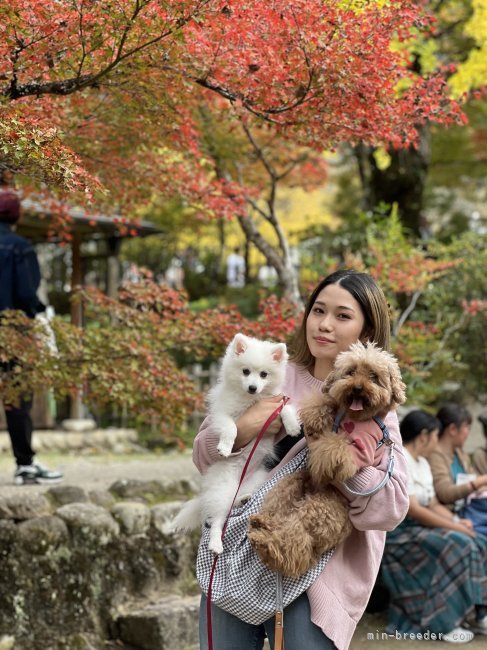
{"x":100,"y":470}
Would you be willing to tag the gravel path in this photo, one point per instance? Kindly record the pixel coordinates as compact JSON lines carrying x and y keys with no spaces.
{"x":94,"y":472}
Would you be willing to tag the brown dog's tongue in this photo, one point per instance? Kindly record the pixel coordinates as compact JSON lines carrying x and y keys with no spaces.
{"x":356,"y":405}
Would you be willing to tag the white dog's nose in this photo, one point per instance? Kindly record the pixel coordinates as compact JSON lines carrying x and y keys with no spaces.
{"x":252,"y":389}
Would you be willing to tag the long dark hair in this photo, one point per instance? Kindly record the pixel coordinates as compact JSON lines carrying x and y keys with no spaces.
{"x":415,"y":422}
{"x":372,"y":302}
{"x":452,"y":413}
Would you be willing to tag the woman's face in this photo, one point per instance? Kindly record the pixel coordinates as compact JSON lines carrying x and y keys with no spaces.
{"x":431,"y":442}
{"x":460,"y":434}
{"x":335,"y":322}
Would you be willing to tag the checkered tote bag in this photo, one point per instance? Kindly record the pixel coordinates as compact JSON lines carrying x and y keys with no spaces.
{"x":242,"y":584}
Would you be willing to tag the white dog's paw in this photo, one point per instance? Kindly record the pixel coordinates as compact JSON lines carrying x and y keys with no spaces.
{"x":290,"y":421}
{"x":225,"y":448}
{"x":294,"y":429}
{"x":216,"y":546}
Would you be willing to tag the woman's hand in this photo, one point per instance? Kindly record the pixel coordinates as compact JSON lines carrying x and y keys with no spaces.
{"x":467,"y":523}
{"x":251,"y":422}
{"x":464,"y":526}
{"x":480,"y":482}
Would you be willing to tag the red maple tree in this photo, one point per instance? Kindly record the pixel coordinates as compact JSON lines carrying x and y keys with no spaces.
{"x":102,"y":89}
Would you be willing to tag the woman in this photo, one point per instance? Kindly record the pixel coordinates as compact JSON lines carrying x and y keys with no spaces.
{"x":434,"y":564}
{"x":345,"y":307}
{"x":454,"y":476}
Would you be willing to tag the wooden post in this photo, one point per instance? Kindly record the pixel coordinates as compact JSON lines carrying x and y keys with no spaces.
{"x":76,"y":406}
{"x":113,"y":266}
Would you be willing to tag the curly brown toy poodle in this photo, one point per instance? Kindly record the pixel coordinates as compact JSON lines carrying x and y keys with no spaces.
{"x":304,"y":516}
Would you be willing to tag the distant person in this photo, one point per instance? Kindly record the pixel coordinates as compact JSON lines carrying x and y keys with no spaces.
{"x":174,"y":275}
{"x":457,"y":484}
{"x":236,"y":270}
{"x":434,"y":564}
{"x":19,"y":281}
{"x":479,"y":456}
{"x":267,"y":276}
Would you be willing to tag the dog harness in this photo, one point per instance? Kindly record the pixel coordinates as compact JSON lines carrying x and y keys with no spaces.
{"x":385,"y":440}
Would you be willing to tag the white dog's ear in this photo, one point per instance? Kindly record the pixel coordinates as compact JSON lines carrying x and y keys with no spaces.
{"x":279,"y":352}
{"x":239,"y":344}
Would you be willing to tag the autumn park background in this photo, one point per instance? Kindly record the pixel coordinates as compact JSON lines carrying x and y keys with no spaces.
{"x":312,"y":134}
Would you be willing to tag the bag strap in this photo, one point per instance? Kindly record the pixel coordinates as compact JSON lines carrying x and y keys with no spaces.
{"x":279,"y":617}
{"x":259,"y":437}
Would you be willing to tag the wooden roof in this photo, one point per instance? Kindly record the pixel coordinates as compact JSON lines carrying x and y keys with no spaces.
{"x":36,"y":221}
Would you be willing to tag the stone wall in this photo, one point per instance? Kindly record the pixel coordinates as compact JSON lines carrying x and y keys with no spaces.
{"x":73,"y":564}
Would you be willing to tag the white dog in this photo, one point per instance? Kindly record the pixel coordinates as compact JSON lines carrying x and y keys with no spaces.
{"x":250,"y":371}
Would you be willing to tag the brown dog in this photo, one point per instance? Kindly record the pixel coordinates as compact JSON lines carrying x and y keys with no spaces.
{"x":304,"y":515}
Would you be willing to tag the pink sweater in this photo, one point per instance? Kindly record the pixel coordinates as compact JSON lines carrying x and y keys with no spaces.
{"x":340,"y":594}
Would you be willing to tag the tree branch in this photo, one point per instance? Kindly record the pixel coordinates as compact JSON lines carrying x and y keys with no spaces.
{"x":406,"y":313}
{"x":68,"y":86}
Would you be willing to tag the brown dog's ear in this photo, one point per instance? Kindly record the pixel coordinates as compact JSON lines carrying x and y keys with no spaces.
{"x":398,"y":386}
{"x":332,"y":377}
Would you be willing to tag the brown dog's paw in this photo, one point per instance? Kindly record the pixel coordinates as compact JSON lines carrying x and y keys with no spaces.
{"x":260,"y":522}
{"x":266,"y":548}
{"x":281,"y":555}
{"x":345,"y":469}
{"x":330,"y":459}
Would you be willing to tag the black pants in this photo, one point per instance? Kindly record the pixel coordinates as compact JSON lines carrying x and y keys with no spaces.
{"x":19,"y":424}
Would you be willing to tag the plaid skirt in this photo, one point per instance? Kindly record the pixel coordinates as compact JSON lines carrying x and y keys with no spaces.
{"x":435,"y":577}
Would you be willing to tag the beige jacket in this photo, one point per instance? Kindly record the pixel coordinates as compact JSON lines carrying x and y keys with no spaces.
{"x":446,"y":490}
{"x":479,"y":459}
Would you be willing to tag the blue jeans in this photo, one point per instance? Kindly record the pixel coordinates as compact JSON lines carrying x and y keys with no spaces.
{"x":230,"y":633}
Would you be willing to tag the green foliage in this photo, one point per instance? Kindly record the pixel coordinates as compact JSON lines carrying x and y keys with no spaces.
{"x":460,"y":308}
{"x":438,"y":307}
{"x":134,"y":350}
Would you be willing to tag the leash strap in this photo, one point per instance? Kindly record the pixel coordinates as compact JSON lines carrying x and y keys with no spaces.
{"x":266,"y":425}
{"x":279,"y":625}
{"x":386,"y":440}
{"x":385,"y":480}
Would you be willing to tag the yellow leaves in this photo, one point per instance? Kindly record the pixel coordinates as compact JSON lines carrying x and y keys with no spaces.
{"x":472,"y":73}
{"x":382,"y":158}
{"x":359,"y":6}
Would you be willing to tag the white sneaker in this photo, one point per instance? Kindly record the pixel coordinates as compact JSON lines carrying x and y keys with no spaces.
{"x":36,"y":474}
{"x":458,"y":635}
{"x":480,"y":627}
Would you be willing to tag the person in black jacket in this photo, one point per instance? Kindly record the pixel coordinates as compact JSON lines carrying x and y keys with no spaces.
{"x":19,"y":281}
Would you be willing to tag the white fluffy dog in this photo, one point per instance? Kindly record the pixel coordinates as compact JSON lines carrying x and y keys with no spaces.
{"x":250,"y":371}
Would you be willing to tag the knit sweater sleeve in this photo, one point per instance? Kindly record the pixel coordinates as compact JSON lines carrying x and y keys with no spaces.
{"x":446,"y":490}
{"x":386,"y":508}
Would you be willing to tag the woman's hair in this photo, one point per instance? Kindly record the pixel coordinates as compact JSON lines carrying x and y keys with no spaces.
{"x":372,"y":302}
{"x":453,"y":414}
{"x":415,"y":422}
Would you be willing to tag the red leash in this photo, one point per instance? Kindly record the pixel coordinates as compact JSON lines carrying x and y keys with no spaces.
{"x":267,"y":423}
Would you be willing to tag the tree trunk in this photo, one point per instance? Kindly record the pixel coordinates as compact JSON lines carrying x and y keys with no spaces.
{"x":402,"y":183}
{"x":287,"y":274}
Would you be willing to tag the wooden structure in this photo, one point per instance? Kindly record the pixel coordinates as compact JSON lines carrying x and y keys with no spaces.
{"x":36,"y":225}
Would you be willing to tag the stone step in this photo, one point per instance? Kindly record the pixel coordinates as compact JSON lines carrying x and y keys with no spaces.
{"x":113,"y":439}
{"x":168,"y":623}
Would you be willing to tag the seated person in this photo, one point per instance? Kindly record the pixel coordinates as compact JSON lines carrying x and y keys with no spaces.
{"x":454,"y":477}
{"x":434,"y":564}
{"x":479,"y":457}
